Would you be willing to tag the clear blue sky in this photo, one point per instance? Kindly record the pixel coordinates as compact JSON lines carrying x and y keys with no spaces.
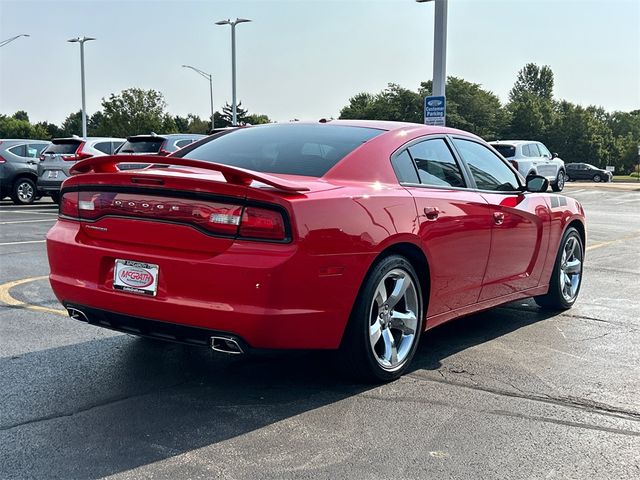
{"x":305,"y":58}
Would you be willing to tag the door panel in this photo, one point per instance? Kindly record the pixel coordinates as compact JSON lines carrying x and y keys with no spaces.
{"x":455,"y":229}
{"x":519,"y":240}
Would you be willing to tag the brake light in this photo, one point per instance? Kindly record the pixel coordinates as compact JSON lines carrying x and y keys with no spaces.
{"x":514,"y":163}
{"x":69,"y":204}
{"x":2,"y":160}
{"x":215,"y":217}
{"x":262,"y":223}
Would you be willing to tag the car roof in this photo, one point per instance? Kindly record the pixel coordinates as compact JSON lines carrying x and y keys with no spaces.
{"x":167,"y":136}
{"x":391,"y":126}
{"x":87,"y":139}
{"x":512,"y":142}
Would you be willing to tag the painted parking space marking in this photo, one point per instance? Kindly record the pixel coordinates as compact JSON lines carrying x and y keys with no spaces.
{"x":22,"y":243}
{"x":613,"y":242}
{"x":7,"y":299}
{"x":28,"y":221}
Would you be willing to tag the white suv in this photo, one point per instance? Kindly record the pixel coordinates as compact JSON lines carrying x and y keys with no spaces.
{"x":533,"y":158}
{"x":63,"y":153}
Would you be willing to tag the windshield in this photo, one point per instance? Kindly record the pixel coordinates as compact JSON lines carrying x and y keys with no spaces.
{"x":506,"y":151}
{"x":295,"y":149}
{"x":142,"y":145}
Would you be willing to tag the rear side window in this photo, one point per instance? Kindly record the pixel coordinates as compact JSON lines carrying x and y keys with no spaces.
{"x":69,"y":147}
{"x":142,"y":146}
{"x":435,"y":163}
{"x":533,"y":150}
{"x":104,"y":147}
{"x":507,"y":151}
{"x":35,"y":149}
{"x":295,"y":149}
{"x":183,"y":143}
{"x":19,"y":150}
{"x":404,"y":168}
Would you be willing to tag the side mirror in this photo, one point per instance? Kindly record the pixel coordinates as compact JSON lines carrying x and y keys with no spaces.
{"x":537,"y":183}
{"x":554,"y":155}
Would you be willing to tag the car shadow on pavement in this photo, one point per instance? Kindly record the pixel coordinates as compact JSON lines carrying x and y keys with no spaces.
{"x":110,"y":405}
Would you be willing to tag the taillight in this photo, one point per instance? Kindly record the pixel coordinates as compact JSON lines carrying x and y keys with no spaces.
{"x":2,"y":160}
{"x":215,"y":217}
{"x":514,"y":163}
{"x":69,"y":204}
{"x":262,"y":223}
{"x":79,"y":155}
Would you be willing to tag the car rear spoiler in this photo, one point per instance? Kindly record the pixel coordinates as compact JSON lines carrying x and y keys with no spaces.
{"x":234,"y":175}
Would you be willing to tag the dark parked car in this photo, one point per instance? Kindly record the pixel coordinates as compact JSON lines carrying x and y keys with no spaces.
{"x":585,"y":171}
{"x":154,"y":144}
{"x":18,"y":169}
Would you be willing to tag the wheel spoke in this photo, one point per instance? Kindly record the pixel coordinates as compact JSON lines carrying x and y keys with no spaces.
{"x":573,"y":266}
{"x":405,"y":322}
{"x":380,"y":295}
{"x":570,"y":248}
{"x":390,"y":349}
{"x":375,"y":332}
{"x":399,"y":289}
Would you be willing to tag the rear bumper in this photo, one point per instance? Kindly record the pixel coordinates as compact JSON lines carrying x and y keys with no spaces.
{"x":155,"y":329}
{"x":49,"y":185}
{"x":270,"y":296}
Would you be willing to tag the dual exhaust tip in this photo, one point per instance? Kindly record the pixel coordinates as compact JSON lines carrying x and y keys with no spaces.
{"x":217,"y":343}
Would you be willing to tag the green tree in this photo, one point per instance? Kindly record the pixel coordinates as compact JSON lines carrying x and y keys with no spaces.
{"x":257,"y":119}
{"x":21,"y":115}
{"x":533,"y":80}
{"x":135,"y":111}
{"x":72,"y":125}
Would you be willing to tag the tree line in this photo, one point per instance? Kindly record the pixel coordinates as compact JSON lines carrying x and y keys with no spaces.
{"x":578,"y":134}
{"x":131,"y":112}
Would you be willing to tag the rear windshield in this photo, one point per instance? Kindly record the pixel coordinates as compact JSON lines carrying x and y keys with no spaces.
{"x":142,"y":145}
{"x":295,"y":149}
{"x":505,"y":150}
{"x":66,"y":147}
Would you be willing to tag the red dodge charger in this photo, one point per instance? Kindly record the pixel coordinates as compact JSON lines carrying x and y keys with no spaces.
{"x":349,"y":235}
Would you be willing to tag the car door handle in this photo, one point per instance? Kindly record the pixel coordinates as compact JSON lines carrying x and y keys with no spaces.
{"x":431,"y":213}
{"x":498,"y":218}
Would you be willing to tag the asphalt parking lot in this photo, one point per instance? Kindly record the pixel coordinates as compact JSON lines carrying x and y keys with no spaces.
{"x":509,"y":393}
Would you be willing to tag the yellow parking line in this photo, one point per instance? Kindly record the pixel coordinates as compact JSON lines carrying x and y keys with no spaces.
{"x":613,"y":242}
{"x":6,"y":298}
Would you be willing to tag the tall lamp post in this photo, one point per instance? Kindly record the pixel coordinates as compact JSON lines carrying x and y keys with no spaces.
{"x":234,"y":106}
{"x":81,"y":41}
{"x":439,"y":46}
{"x":209,"y":77}
{"x":9,"y":40}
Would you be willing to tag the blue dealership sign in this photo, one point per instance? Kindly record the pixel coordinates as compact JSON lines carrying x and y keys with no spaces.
{"x":435,"y":109}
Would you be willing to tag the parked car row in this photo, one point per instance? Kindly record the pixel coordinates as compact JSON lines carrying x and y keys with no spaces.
{"x":30,"y":169}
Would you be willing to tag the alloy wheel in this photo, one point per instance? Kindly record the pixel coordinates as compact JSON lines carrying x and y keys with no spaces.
{"x":25,"y":192}
{"x":571,"y":268}
{"x":393,"y":319}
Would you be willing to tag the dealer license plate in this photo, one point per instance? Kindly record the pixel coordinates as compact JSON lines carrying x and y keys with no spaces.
{"x":52,"y":174}
{"x":136,"y":277}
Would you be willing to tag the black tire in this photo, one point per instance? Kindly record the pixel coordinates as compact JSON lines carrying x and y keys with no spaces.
{"x":23,"y":191}
{"x":55,"y":196}
{"x":567,"y":178}
{"x":558,"y":186}
{"x":554,"y":298}
{"x":356,"y":355}
{"x":597,"y":178}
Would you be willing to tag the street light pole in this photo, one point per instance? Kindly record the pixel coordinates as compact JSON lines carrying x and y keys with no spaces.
{"x":234,"y":106}
{"x":81,"y":41}
{"x":209,"y":77}
{"x":9,"y":40}
{"x":439,"y":46}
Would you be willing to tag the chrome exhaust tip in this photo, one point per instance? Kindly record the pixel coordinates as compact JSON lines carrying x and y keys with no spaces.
{"x":226,"y":345}
{"x":77,"y":314}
